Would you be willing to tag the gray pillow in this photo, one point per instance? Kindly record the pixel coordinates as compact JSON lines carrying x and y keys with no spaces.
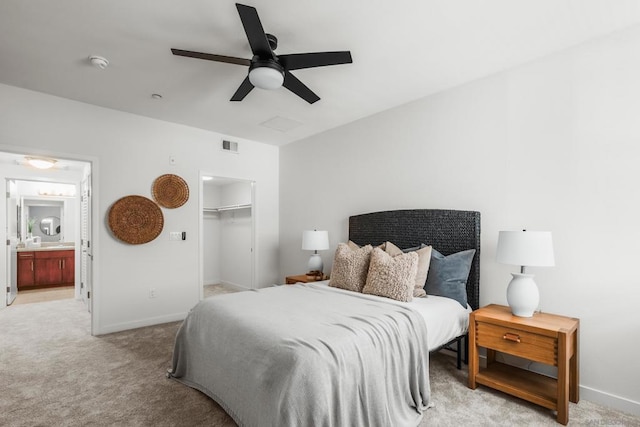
{"x":448,"y":275}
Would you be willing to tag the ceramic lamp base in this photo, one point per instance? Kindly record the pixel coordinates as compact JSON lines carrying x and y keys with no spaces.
{"x":315,"y":263}
{"x":522,"y":295}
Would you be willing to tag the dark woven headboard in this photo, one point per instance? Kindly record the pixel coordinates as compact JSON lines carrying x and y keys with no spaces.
{"x":448,"y":231}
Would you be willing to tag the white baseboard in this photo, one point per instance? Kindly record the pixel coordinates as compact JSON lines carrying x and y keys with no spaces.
{"x":610,"y":400}
{"x":587,"y":393}
{"x":151,"y":321}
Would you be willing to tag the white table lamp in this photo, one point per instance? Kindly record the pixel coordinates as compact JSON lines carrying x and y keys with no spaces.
{"x":315,"y":240}
{"x":526,"y":249}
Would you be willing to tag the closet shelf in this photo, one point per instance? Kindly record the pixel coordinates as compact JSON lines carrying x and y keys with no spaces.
{"x":227,"y":208}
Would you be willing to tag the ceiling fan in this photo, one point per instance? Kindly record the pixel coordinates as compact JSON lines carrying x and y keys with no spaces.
{"x":266,"y":69}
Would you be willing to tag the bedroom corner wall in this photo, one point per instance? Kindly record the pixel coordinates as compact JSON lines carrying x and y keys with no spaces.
{"x":550,"y":145}
{"x":131,"y":152}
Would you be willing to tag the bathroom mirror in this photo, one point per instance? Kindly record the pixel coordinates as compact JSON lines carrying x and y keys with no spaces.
{"x":50,"y":226}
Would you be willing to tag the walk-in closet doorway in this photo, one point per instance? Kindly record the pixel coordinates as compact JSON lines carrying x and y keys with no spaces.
{"x":227,"y":231}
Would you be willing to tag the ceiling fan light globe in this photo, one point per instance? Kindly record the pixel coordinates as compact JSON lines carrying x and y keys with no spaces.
{"x":266,"y":78}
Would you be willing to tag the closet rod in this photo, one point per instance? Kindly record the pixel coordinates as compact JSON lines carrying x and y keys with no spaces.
{"x":227,"y":208}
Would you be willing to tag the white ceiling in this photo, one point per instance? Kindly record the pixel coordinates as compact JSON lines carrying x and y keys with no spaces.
{"x":402,"y":50}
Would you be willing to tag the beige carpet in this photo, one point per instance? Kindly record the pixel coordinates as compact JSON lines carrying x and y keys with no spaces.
{"x":53,"y":373}
{"x":211,"y":290}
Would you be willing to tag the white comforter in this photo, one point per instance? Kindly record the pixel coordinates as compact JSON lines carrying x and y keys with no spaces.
{"x":445,"y":318}
{"x":307,"y":355}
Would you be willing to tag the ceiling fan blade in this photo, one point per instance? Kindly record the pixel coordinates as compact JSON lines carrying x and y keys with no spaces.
{"x":211,"y":57}
{"x":255,"y":33}
{"x":299,"y":88}
{"x":243,"y":90}
{"x":299,"y":61}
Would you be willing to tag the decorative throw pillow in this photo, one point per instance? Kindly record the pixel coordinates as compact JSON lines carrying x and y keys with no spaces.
{"x":355,"y":246}
{"x":350,"y":267}
{"x":424,"y":259}
{"x":392,"y":276}
{"x":448,"y":275}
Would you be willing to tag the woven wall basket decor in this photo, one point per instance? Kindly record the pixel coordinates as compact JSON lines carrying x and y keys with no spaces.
{"x":135,"y":219}
{"x":170,"y":191}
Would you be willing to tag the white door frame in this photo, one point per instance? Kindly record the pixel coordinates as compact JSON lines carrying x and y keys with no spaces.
{"x":11,"y":290}
{"x":86,"y":248}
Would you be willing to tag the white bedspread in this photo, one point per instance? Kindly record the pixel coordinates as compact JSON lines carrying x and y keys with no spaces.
{"x":307,"y":355}
{"x":445,"y":318}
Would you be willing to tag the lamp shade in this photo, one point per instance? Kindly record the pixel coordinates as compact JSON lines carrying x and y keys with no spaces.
{"x":315,"y":240}
{"x":525,"y":248}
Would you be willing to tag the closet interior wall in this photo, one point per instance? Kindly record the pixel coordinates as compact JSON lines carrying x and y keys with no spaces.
{"x":227,"y":233}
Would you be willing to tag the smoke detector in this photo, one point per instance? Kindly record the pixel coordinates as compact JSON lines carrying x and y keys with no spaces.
{"x":99,"y":62}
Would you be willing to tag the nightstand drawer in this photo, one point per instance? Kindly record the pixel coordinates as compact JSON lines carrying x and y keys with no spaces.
{"x":531,"y":346}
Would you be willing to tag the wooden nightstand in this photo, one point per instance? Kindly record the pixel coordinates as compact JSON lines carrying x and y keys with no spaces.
{"x":544,"y":338}
{"x":302,"y":278}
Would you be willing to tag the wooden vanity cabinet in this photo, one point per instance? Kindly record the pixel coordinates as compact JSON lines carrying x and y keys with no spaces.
{"x":54,"y":268}
{"x":48,"y":268}
{"x":69,"y":267}
{"x":26,"y":269}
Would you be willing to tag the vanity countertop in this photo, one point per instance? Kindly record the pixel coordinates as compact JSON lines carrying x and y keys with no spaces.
{"x":56,"y":247}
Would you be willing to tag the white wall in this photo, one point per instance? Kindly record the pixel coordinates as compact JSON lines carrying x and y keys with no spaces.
{"x":235,"y":235}
{"x":129,"y":152}
{"x":237,"y":193}
{"x":235,"y":247}
{"x":551,"y":145}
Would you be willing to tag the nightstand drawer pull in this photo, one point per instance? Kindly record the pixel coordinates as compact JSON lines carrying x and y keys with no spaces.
{"x":511,"y":337}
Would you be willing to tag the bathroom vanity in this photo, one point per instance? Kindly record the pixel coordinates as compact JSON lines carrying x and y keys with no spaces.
{"x":45,"y":266}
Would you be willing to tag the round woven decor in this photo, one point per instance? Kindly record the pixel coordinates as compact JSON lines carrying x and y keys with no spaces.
{"x":135,"y":220}
{"x":170,"y":191}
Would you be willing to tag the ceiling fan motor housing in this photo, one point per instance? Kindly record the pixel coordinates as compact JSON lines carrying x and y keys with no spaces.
{"x":273,"y":41}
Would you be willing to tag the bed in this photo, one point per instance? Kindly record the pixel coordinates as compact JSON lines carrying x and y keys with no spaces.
{"x":311,"y":354}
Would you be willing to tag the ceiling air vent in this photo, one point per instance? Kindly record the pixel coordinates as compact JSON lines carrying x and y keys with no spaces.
{"x":229,"y":146}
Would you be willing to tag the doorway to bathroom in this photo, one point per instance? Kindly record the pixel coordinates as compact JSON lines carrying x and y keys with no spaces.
{"x":48,"y":224}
